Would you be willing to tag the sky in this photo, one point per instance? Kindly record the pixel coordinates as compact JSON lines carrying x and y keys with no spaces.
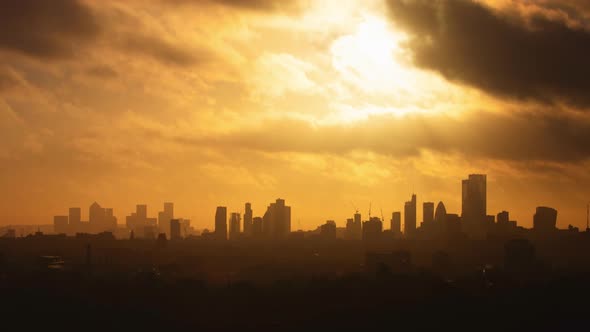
{"x":332,"y":105}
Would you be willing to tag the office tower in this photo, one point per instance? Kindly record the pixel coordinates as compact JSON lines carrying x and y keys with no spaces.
{"x":276,"y":222}
{"x":473,"y":208}
{"x":503,"y":218}
{"x":410,"y":216}
{"x":60,"y":224}
{"x":545,"y":219}
{"x":354,"y":228}
{"x":248,"y":220}
{"x":328,"y":230}
{"x":175,"y":229}
{"x":164,"y":218}
{"x":110,"y":221}
{"x":257,"y":227}
{"x":428,"y":212}
{"x":74,"y":219}
{"x":396,"y":223}
{"x":221,"y":223}
{"x":441,"y":213}
{"x":474,"y":197}
{"x":372,"y":229}
{"x":234,"y":226}
{"x":96,"y":214}
{"x":141,"y":212}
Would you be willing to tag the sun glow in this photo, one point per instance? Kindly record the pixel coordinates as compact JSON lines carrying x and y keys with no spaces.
{"x":372,"y":57}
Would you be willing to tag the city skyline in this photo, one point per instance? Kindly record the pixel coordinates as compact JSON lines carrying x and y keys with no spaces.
{"x":276,"y":222}
{"x":218,"y":102}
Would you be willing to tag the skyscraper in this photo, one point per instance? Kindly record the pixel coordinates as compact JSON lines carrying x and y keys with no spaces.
{"x":474,"y":194}
{"x":428,"y":212}
{"x":545,"y":219}
{"x":234,"y":226}
{"x":248,"y":219}
{"x":276,"y":222}
{"x":75,"y":219}
{"x":141,"y":211}
{"x":221,"y":223}
{"x":164,"y":218}
{"x":473,"y":208}
{"x":354,"y":227}
{"x":396,"y":223}
{"x":410,"y":216}
{"x":175,"y":229}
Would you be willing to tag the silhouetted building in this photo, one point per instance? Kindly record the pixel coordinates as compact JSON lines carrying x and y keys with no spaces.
{"x":96,"y":216}
{"x":396,"y":223}
{"x":410,"y":216}
{"x":372,"y":230}
{"x":276,"y":222}
{"x":545,"y":219}
{"x":474,"y":205}
{"x":60,"y":224}
{"x":428,"y":212}
{"x":354,"y":228}
{"x":175,"y":229}
{"x":328,"y":230}
{"x":141,"y":211}
{"x":234,"y":226}
{"x":74,"y":219}
{"x":164,"y":218}
{"x":221,"y":223}
{"x":248,"y":220}
{"x":441,"y":213}
{"x":257,"y":227}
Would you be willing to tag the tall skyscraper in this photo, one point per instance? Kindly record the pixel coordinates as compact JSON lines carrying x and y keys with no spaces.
{"x":427,"y":212}
{"x":164,"y":218}
{"x":354,"y":227}
{"x":473,"y":208}
{"x":257,"y":227}
{"x":248,"y":219}
{"x":410,"y":216}
{"x":74,"y":219}
{"x":141,"y":211}
{"x":175,"y":229}
{"x":474,"y":196}
{"x":221,"y":223}
{"x":396,"y":223}
{"x":545,"y":219}
{"x":440,"y":214}
{"x":372,"y":230}
{"x":276,"y":222}
{"x":234,"y":226}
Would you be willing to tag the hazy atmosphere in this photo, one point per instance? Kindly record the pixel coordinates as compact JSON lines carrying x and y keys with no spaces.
{"x":326,"y":104}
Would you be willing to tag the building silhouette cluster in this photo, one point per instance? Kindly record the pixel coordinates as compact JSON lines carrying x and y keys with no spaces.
{"x":275,"y":224}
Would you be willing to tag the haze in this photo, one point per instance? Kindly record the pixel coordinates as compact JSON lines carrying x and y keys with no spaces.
{"x":328,"y":104}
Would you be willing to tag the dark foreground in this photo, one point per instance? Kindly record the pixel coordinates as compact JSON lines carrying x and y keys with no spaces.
{"x":386,"y":302}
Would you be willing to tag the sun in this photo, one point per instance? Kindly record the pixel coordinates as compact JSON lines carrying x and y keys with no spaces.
{"x":372,"y":57}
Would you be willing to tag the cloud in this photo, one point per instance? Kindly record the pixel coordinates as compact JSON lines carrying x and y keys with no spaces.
{"x":162,"y":50}
{"x":46,"y":29}
{"x":257,"y":5}
{"x":526,"y":58}
{"x":515,"y":137}
{"x":102,"y":71}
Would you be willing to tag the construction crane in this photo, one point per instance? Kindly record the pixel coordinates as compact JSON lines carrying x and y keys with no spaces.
{"x":354,"y":206}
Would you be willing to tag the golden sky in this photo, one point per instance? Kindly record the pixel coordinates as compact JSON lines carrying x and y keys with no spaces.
{"x":327,"y":104}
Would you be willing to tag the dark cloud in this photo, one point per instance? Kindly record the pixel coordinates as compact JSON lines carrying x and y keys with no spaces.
{"x":163,"y":51}
{"x":102,"y":71}
{"x":45,"y":29}
{"x":258,"y":5}
{"x":517,"y":137}
{"x":533,"y":58}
